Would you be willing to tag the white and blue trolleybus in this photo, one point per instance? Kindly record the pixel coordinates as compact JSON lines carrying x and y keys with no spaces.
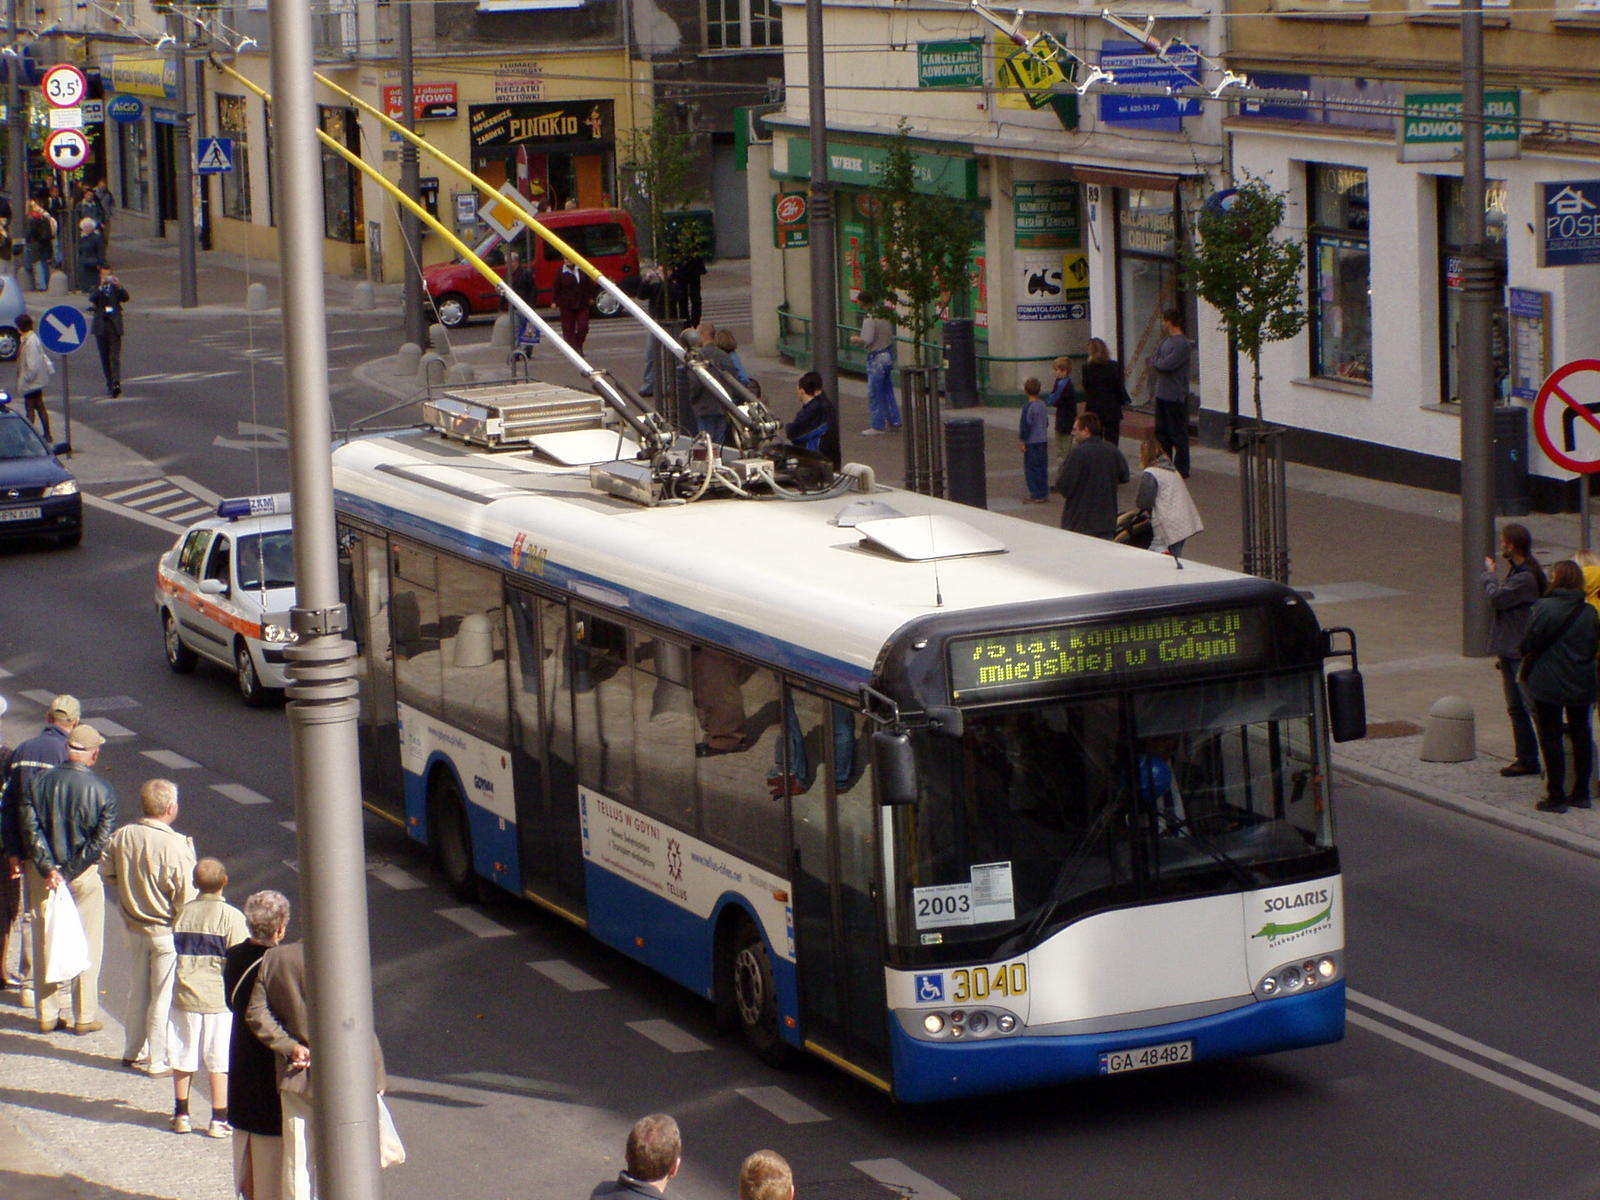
{"x":958,"y":802}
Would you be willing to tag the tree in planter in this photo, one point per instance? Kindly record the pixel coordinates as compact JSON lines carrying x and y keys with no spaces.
{"x":1251,"y":277}
{"x":923,"y":246}
{"x":661,"y":160}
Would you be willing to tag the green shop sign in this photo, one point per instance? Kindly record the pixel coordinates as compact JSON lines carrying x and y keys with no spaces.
{"x":859,"y":165}
{"x":950,"y":64}
{"x":1430,"y":131}
{"x":1045,"y":212}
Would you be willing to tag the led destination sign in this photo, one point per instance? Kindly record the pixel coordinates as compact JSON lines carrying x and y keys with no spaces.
{"x":1002,"y":665}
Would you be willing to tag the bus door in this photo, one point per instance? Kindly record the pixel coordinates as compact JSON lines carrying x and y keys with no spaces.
{"x":364,"y":584}
{"x":548,"y":830}
{"x":838,"y":947}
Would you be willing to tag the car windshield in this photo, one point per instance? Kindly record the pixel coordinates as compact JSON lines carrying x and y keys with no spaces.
{"x":18,"y":440}
{"x":1040,"y":814}
{"x":266,"y":560}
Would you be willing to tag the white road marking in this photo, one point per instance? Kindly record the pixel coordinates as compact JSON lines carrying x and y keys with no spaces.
{"x":239,"y":794}
{"x":4,"y":674}
{"x":194,"y":514}
{"x":568,"y":976}
{"x":204,"y":493}
{"x":39,"y":696}
{"x":289,"y":825}
{"x":110,"y":728}
{"x":293,"y":864}
{"x":891,"y":1172}
{"x":1521,"y":1066}
{"x":668,"y":1036}
{"x":475,"y":923}
{"x":1477,"y":1070}
{"x":165,"y":510}
{"x":136,"y":489}
{"x":399,"y":880}
{"x":133,"y":514}
{"x":783,"y":1105}
{"x":170,"y":759}
{"x":145,"y":502}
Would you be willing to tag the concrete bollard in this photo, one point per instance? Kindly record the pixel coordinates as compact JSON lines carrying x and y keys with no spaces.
{"x":460,"y":373}
{"x":57,"y":285}
{"x":1450,"y":733}
{"x":501,"y":335}
{"x":433,"y":369}
{"x":256,"y":299}
{"x":438,"y":339}
{"x":408,"y":359}
{"x":365,"y":298}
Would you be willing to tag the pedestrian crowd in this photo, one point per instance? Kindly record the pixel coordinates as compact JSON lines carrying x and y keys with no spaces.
{"x":1545,"y":639}
{"x":654,"y":1153}
{"x":210,"y":986}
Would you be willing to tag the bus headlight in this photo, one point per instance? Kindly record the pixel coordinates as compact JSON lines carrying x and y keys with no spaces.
{"x":1288,"y":979}
{"x":967,"y":1023}
{"x":1006,"y":1023}
{"x":1327,"y":969}
{"x":934,"y":1023}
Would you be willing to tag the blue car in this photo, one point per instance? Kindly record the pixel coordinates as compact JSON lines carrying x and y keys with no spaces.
{"x":38,"y":496}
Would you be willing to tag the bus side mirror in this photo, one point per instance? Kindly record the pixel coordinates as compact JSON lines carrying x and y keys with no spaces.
{"x":1347,"y":705}
{"x":896,"y":767}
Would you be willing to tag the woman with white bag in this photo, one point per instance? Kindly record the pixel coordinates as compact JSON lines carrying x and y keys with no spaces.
{"x":1165,"y":496}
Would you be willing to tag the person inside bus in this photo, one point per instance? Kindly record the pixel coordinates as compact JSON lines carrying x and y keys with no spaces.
{"x":718,"y":704}
{"x":1158,"y":782}
{"x":816,"y":426}
{"x":801,"y":768}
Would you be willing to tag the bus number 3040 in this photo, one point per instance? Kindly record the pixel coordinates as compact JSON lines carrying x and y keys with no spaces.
{"x":980,"y":983}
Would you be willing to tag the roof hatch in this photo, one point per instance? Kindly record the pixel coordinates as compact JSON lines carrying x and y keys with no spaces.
{"x":920,"y":539}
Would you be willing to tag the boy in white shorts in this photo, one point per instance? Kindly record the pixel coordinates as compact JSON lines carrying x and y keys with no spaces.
{"x":200,"y":1025}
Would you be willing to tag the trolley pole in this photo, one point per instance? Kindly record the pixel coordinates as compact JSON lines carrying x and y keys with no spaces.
{"x":17,"y":135}
{"x":1475,"y":366}
{"x":183,"y":151}
{"x":322,"y":695}
{"x":824,"y":296}
{"x":416,"y":319}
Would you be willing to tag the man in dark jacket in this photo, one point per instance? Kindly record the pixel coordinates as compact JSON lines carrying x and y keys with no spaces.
{"x":1088,"y":479}
{"x":1170,"y":364}
{"x":655,"y":1151}
{"x":575,"y":292}
{"x":816,"y":425}
{"x":33,"y":757}
{"x":1562,"y":640}
{"x":105,"y":322}
{"x":1511,"y":603}
{"x":67,"y":819}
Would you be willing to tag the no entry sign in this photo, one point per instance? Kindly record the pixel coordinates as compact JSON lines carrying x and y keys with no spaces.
{"x":1566,"y":416}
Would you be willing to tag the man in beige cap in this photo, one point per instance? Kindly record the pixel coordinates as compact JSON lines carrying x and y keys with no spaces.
{"x":151,"y":867}
{"x":32,"y":757}
{"x":68,"y":814}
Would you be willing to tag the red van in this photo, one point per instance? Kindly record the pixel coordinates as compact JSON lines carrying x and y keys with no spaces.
{"x":605,"y":236}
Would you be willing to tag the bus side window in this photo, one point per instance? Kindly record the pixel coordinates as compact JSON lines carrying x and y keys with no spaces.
{"x":743,"y":728}
{"x":604,"y":705}
{"x":418,"y":679}
{"x":472,"y":648}
{"x":663,"y":721}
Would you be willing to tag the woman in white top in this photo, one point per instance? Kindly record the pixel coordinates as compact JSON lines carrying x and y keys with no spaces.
{"x":1164,"y":495}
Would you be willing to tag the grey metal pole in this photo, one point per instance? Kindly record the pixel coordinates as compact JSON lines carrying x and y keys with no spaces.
{"x":1475,"y":366}
{"x":322,"y":704}
{"x":18,"y":139}
{"x":824,"y":296}
{"x":183,"y":169}
{"x":416,"y":319}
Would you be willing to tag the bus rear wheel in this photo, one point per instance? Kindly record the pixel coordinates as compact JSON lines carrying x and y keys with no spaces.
{"x":451,"y":837}
{"x":755,"y":998}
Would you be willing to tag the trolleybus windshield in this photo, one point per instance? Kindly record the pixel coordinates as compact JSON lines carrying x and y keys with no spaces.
{"x":1043,"y":812}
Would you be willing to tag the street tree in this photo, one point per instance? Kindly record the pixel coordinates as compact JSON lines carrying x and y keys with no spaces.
{"x":1250,"y":275}
{"x":924,"y":243}
{"x":665,"y":170}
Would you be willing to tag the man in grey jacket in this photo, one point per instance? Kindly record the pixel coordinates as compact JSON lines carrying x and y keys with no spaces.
{"x":1170,"y":364}
{"x":1088,"y":479}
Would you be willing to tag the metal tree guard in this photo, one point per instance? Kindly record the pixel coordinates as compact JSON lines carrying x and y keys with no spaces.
{"x":1263,"y":502}
{"x":920,"y":391}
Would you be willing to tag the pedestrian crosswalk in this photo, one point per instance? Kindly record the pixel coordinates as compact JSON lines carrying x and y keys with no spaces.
{"x":172,"y":498}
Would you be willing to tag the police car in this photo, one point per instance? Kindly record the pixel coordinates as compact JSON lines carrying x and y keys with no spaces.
{"x":224,"y":592}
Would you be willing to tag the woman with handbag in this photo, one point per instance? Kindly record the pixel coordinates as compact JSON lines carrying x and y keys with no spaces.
{"x":1165,"y":496}
{"x":1103,"y":390}
{"x":1558,"y":657}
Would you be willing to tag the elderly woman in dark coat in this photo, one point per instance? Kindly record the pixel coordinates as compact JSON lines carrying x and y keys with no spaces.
{"x":253,"y":1106}
{"x":1560,"y":647}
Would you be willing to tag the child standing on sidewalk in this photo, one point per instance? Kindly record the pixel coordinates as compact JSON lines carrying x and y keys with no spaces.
{"x":1035,"y":434}
{"x":201,"y":1025}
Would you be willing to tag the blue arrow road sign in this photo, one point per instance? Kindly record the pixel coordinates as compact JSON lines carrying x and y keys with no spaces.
{"x":63,"y":329}
{"x":214,"y":156}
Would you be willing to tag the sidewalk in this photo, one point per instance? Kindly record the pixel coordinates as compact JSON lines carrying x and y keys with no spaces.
{"x":1379,"y":558}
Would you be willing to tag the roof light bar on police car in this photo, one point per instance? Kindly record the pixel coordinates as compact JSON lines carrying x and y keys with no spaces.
{"x":276,"y":505}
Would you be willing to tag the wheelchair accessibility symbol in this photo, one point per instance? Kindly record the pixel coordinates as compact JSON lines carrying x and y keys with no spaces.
{"x":930,"y":987}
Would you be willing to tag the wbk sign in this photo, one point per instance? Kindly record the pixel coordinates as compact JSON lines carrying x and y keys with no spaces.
{"x":1569,"y":223}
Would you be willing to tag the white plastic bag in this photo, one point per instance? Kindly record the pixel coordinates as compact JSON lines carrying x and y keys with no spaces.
{"x":391,"y":1150}
{"x":66,"y":950}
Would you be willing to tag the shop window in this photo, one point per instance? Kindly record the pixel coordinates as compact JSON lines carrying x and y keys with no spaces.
{"x":1452,"y":238}
{"x":1147,"y":279}
{"x":1341,"y":273}
{"x":341,"y":192}
{"x":735,"y":24}
{"x":133,"y":162}
{"x":233,"y":122}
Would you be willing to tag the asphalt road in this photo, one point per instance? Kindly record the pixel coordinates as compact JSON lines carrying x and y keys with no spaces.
{"x":520,"y":1051}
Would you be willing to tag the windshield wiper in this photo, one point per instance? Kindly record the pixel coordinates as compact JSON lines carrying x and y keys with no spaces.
{"x":1242,"y":874}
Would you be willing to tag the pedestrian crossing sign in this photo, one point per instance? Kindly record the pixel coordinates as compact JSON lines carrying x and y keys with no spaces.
{"x":214,"y":156}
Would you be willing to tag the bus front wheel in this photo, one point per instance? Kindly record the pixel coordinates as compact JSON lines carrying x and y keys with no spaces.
{"x":755,"y":998}
{"x":451,"y":837}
